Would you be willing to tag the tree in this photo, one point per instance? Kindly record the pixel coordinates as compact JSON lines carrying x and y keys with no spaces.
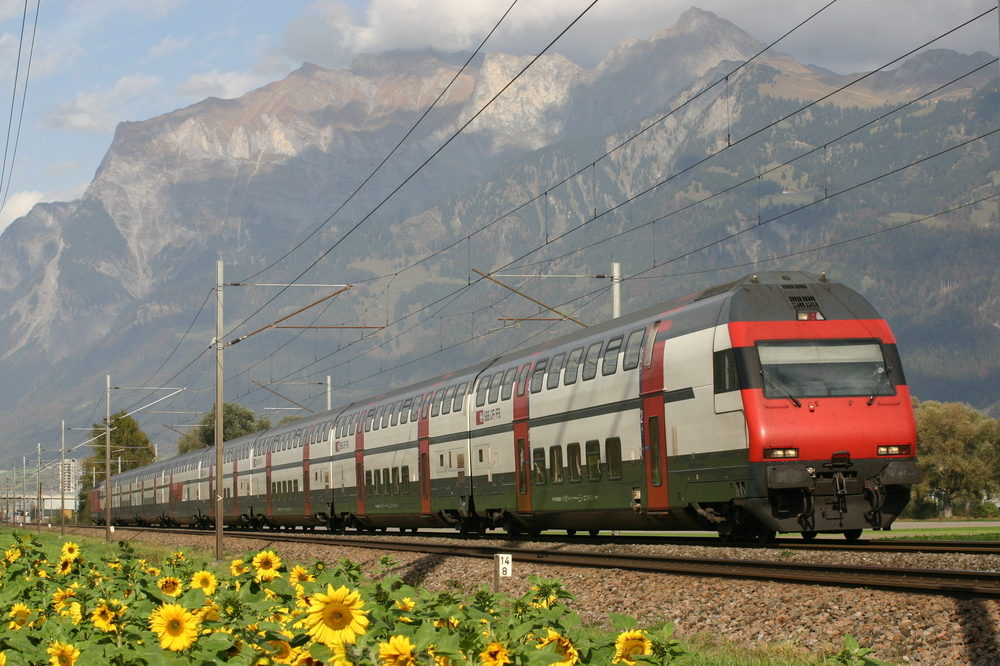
{"x":957,"y":451}
{"x":237,"y":421}
{"x":130,"y":448}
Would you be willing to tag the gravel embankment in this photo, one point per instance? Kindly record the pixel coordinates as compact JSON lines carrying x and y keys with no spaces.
{"x":902,"y":628}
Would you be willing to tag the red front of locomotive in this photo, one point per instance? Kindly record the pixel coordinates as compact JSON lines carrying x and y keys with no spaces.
{"x":831,"y":433}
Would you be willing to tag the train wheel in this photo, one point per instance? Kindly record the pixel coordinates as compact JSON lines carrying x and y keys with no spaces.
{"x":765,"y":536}
{"x":570,"y":532}
{"x":809,"y":535}
{"x":852,"y":535}
{"x":594,"y":533}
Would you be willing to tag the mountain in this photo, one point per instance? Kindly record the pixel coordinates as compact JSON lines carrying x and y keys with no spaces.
{"x":111,"y":283}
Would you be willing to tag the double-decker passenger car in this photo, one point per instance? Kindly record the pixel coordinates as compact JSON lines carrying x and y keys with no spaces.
{"x":776,"y":403}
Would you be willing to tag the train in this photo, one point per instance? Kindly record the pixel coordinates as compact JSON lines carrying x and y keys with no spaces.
{"x":772,"y":404}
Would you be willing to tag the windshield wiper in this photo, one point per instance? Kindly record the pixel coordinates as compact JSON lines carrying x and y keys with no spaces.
{"x":883,"y":375}
{"x":781,"y":387}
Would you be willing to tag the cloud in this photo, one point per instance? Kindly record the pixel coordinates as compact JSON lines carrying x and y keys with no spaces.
{"x":225,"y":85}
{"x":101,"y":110}
{"x":18,"y":204}
{"x":167,"y":46}
{"x":332,"y":32}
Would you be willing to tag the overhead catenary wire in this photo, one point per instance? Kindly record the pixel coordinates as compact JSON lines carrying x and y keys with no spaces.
{"x":4,"y":169}
{"x":759,"y":130}
{"x":420,"y":168}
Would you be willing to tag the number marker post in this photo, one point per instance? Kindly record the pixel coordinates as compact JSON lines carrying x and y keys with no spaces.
{"x":504,"y":568}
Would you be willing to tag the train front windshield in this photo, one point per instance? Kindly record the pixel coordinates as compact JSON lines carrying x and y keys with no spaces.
{"x":816,"y":368}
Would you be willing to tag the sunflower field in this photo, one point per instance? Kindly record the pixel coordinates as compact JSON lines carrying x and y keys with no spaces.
{"x":66,"y":606}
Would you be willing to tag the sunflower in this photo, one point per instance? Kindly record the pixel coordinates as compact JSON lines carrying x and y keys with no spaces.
{"x":12,"y":555}
{"x":206,"y":581}
{"x":336,"y":617}
{"x":170,"y":586}
{"x":281,"y":651}
{"x":238,"y":567}
{"x":267,"y":564}
{"x":65,"y":566}
{"x":104,"y":617}
{"x":564,"y":648}
{"x":70,"y":551}
{"x":338,"y":658}
{"x":176,"y":628}
{"x":3,"y":659}
{"x":18,"y":615}
{"x":406,"y":604}
{"x":75,"y":612}
{"x":630,"y":643}
{"x":299,"y":575}
{"x":152,"y":571}
{"x":61,"y":597}
{"x":397,"y":652}
{"x":62,"y":654}
{"x":495,"y":655}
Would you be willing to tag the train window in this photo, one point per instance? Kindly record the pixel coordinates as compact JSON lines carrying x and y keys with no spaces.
{"x":415,"y":409}
{"x":610,"y":364}
{"x":554,"y":370}
{"x":341,"y":426}
{"x":394,"y":412}
{"x":436,"y":402}
{"x":449,"y":398}
{"x":613,"y":454}
{"x":507,"y":385}
{"x":404,"y":410}
{"x":295,"y":487}
{"x":386,"y":416}
{"x":574,"y":461}
{"x":494,"y":394}
{"x":522,"y":379}
{"x":593,"y":460}
{"x":297,"y":439}
{"x":537,"y":374}
{"x":538,"y":463}
{"x":369,"y":420}
{"x":395,"y":480}
{"x":590,"y":361}
{"x":572,"y":366}
{"x":377,"y":421}
{"x":369,"y":481}
{"x":726,"y":376}
{"x":386,"y":485}
{"x":633,"y":347}
{"x":459,"y":402}
{"x":441,"y":461}
{"x":555,"y":464}
{"x":481,"y":388}
{"x":404,"y":479}
{"x":424,"y":405}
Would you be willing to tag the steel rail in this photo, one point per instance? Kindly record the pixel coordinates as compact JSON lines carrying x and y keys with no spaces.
{"x":940,"y":581}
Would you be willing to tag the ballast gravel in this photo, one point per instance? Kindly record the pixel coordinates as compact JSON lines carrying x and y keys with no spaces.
{"x":901,"y":628}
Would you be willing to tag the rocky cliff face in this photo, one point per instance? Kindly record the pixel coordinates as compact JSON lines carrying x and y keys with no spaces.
{"x":107,"y":282}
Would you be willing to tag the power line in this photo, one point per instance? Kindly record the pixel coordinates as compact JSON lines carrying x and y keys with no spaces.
{"x":419,"y":168}
{"x":24,"y":94}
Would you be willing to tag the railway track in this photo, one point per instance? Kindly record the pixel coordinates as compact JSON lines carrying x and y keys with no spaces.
{"x":707,"y":541}
{"x":942,"y":581}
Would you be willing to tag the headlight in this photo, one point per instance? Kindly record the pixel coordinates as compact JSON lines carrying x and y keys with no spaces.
{"x":781,"y":453}
{"x":894,"y":450}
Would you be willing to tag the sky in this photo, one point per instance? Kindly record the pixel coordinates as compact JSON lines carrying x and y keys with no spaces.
{"x":95,"y":63}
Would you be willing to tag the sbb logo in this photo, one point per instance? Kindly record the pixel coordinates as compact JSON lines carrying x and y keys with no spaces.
{"x":484,"y":416}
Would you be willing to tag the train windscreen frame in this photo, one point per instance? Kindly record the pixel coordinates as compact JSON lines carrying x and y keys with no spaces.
{"x":824,"y":368}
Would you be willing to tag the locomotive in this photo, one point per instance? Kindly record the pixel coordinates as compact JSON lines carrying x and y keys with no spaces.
{"x":775,"y":403}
